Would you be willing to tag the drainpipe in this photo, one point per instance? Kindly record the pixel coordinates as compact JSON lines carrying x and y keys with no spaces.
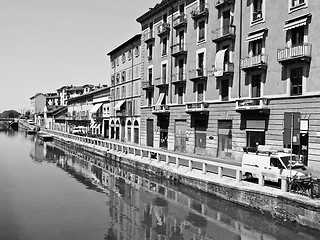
{"x":172,"y":62}
{"x":240,"y":49}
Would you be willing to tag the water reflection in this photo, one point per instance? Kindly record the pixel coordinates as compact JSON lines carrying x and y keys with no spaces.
{"x":149,"y":208}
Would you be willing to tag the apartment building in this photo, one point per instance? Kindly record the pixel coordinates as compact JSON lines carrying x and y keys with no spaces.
{"x":125,"y":91}
{"x":218,"y":76}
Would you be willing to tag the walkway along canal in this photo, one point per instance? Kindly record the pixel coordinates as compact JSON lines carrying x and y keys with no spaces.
{"x":53,"y":191}
{"x":208,"y":176}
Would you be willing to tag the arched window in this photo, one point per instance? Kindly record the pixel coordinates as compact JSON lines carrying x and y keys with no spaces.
{"x":136,"y":132}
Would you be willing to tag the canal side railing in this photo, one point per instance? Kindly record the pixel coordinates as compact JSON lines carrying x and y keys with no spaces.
{"x":220,"y":169}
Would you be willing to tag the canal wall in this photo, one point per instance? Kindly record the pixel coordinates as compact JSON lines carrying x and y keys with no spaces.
{"x":279,"y":204}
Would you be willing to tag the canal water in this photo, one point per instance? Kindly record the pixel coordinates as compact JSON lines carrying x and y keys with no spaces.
{"x":48,"y":191}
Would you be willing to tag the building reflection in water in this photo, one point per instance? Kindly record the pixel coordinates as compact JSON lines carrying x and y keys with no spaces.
{"x":146,"y":208}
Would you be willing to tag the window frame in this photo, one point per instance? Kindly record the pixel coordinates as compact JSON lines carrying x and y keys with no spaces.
{"x":252,"y":12}
{"x":201,"y":31}
{"x":295,"y":7}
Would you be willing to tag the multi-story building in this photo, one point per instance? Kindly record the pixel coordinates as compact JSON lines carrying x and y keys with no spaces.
{"x":81,"y":108}
{"x":125,"y":91}
{"x":218,"y":76}
{"x":100,"y":114}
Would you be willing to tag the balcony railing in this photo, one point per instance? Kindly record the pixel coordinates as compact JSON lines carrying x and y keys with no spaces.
{"x":198,"y":74}
{"x":179,"y":49}
{"x":302,"y":52}
{"x":179,"y":78}
{"x":197,"y":107}
{"x":258,"y":61}
{"x":146,"y":85}
{"x":200,"y":11}
{"x":224,"y":33}
{"x":149,"y":35}
{"x":180,"y":21}
{"x":163,"y":28}
{"x":161,"y":109}
{"x":221,"y":3}
{"x":252,"y":104}
{"x":161,"y":82}
{"x":228,"y":69}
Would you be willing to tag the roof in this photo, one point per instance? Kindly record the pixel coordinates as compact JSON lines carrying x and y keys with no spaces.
{"x":89,"y":94}
{"x":36,"y":95}
{"x":133,"y":39}
{"x":156,"y":9}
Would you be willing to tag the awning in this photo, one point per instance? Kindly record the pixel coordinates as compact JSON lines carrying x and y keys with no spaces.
{"x":161,"y":96}
{"x":95,"y":108}
{"x":98,"y":125}
{"x":219,"y":63}
{"x":255,"y":35}
{"x":92,"y":124}
{"x":296,"y":22}
{"x":118,"y":105}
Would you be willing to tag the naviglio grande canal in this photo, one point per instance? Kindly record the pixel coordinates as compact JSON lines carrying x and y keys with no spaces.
{"x":50,"y":192}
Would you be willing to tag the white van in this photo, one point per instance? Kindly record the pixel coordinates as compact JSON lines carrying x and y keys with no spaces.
{"x":274,"y":164}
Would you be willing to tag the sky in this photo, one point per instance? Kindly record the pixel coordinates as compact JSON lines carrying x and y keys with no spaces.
{"x":47,"y":44}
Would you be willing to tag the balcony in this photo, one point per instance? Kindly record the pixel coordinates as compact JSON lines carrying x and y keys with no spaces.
{"x":179,"y":78}
{"x":161,"y":82}
{"x":197,"y":107}
{"x":222,"y":3}
{"x":160,"y":109}
{"x":163,"y":28}
{"x":224,"y":33}
{"x":180,"y":21}
{"x":198,"y":74}
{"x":149,"y":36}
{"x":254,"y":62}
{"x":147,"y":85}
{"x":228,"y":69}
{"x":296,"y":53}
{"x":200,"y":11}
{"x":252,"y":104}
{"x":179,"y":49}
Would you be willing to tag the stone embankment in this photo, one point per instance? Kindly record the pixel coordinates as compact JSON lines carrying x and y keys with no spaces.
{"x":205,"y":175}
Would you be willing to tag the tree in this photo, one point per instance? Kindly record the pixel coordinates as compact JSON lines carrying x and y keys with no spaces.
{"x":10,"y":114}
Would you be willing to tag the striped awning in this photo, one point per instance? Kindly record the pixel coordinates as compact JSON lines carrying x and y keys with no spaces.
{"x":118,"y":105}
{"x":255,"y":35}
{"x":296,"y":22}
{"x":161,"y":96}
{"x":95,"y":108}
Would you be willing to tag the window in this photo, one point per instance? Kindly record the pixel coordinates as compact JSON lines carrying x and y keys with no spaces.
{"x":123,"y":58}
{"x":117,"y":61}
{"x":150,"y":52}
{"x":256,"y":47}
{"x":297,"y":3}
{"x":255,"y":138}
{"x":164,"y":46}
{"x":123,"y":95}
{"x":256,"y":86}
{"x":118,"y":78}
{"x":200,"y":69}
{"x":200,"y":92}
{"x":117,"y":93}
{"x":136,"y":72}
{"x":225,"y":90}
{"x":149,"y":98}
{"x":112,"y":64}
{"x":201,"y":31}
{"x":150,"y":75}
{"x":137,"y":51}
{"x":297,"y":35}
{"x":129,"y":54}
{"x":164,"y":73}
{"x":112,"y":80}
{"x":257,"y":10}
{"x":165,"y":18}
{"x":123,"y":76}
{"x":296,"y":81}
{"x":180,"y":95}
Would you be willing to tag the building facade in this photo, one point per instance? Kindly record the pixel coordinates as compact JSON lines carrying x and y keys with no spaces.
{"x":219,"y":76}
{"x":125,"y":91}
